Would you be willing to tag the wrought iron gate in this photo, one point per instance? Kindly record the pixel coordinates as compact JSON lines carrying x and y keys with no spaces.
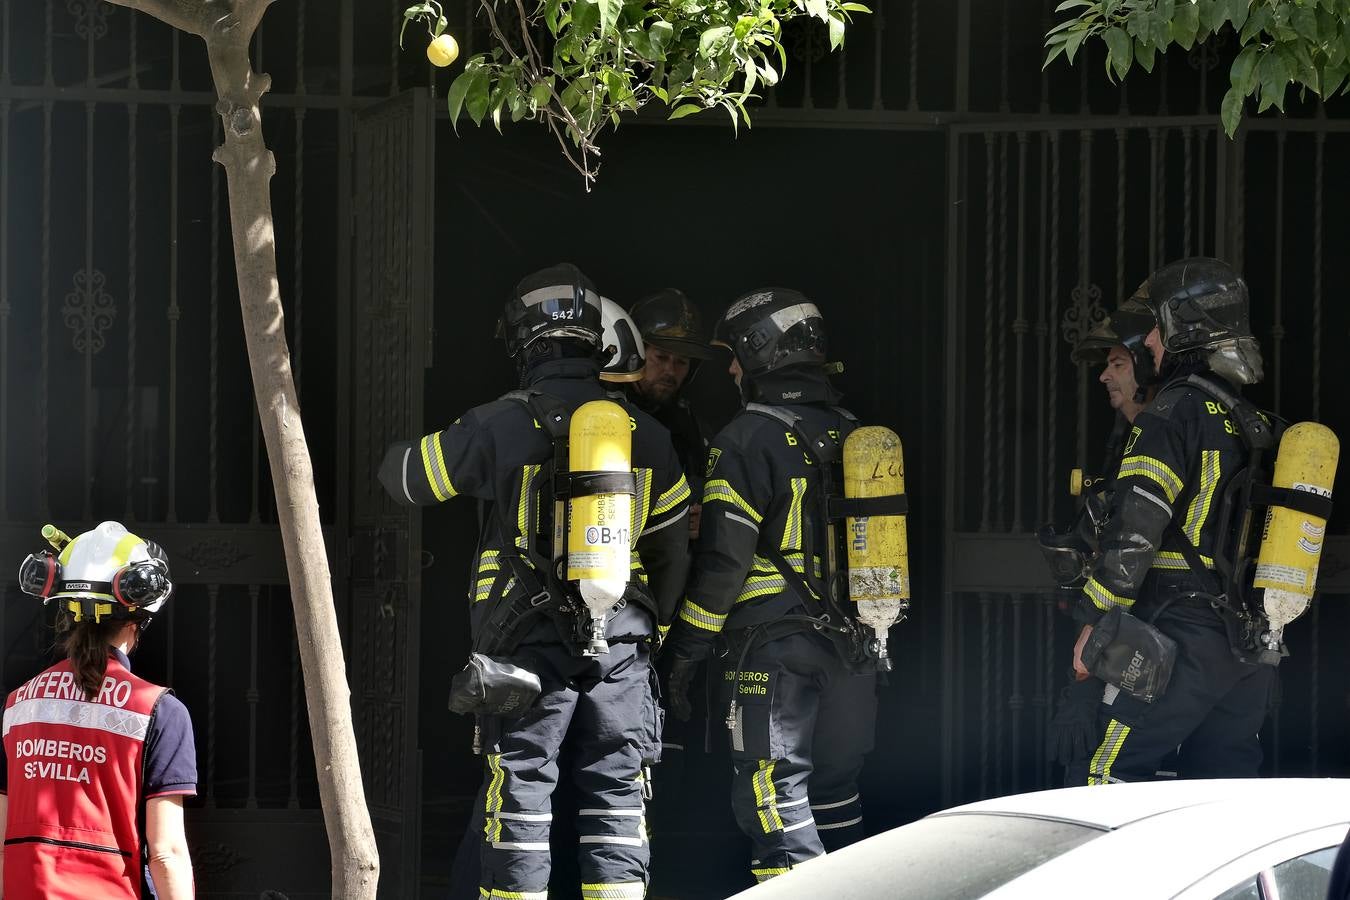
{"x":390,"y":350}
{"x":1054,"y":222}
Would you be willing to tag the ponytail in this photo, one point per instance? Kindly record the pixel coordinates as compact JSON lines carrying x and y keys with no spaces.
{"x":86,"y":644}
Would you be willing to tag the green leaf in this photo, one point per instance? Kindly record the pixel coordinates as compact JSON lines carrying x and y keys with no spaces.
{"x":1071,"y":4}
{"x":1185,"y":25}
{"x":1243,"y":68}
{"x":711,"y":41}
{"x":1137,"y":25}
{"x":1272,"y":73}
{"x":1159,"y":28}
{"x":1119,"y":51}
{"x":477,"y":95}
{"x":551,"y":15}
{"x":1050,"y":56}
{"x":1144,"y":55}
{"x":1258,"y":21}
{"x":1304,"y":20}
{"x":685,"y":109}
{"x":454,"y":99}
{"x":1072,"y":44}
{"x":836,"y":31}
{"x":661,"y":33}
{"x":1213,"y":13}
{"x":1237,"y":14}
{"x":609,"y":14}
{"x":541,"y":93}
{"x":441,"y":24}
{"x":585,"y":16}
{"x":818,"y":9}
{"x":1231,"y":110}
{"x":847,"y":7}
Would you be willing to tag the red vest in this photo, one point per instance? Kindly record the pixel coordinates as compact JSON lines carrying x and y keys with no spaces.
{"x":75,"y":771}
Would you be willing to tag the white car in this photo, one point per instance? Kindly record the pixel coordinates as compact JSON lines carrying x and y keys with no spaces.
{"x":1248,"y":839}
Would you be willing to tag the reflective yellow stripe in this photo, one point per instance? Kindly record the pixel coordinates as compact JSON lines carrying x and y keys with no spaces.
{"x":492,"y":826}
{"x":761,"y":587}
{"x":672,"y":498}
{"x":1198,"y":511}
{"x":1176,"y":562}
{"x":1102,"y":598}
{"x":523,"y":529}
{"x":121,"y":554}
{"x":626,"y":890}
{"x":766,"y":797}
{"x":439,"y":490}
{"x":701,"y":618}
{"x":762,"y":875}
{"x":1156,"y":471}
{"x":792,"y":530}
{"x":642,"y":501}
{"x":499,"y":894}
{"x":722,"y":490}
{"x":1100,"y":770}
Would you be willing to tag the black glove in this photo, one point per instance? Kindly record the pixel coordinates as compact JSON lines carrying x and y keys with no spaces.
{"x":682,"y":671}
{"x":1073,"y":732}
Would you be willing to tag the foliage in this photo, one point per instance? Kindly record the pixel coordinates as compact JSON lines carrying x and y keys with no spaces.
{"x":579,"y":65}
{"x":1304,"y":42}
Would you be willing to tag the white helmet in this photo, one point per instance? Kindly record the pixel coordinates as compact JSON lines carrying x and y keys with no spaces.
{"x":103,"y":572}
{"x":622,"y":354}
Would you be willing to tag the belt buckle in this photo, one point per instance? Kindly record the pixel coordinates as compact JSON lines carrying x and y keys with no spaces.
{"x":539,"y":599}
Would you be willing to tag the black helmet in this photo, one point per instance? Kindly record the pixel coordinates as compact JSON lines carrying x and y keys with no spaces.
{"x":1127,"y":327}
{"x":669,"y":321}
{"x":773,"y":328}
{"x":557,"y":302}
{"x":1198,"y":302}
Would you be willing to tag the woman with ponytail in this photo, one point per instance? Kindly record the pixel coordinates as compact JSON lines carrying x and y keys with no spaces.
{"x":97,"y":761}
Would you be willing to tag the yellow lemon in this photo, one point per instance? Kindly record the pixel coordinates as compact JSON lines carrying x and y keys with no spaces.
{"x":443,"y":51}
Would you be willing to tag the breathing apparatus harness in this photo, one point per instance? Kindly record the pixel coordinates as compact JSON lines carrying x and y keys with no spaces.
{"x":1249,"y":489}
{"x":826,"y":599}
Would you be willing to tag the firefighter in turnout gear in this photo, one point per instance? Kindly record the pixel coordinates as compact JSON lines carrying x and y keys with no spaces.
{"x":1159,"y":623}
{"x":540,"y":675}
{"x":803,"y":714}
{"x":1116,"y":346}
{"x":672,"y":331}
{"x":97,"y":760}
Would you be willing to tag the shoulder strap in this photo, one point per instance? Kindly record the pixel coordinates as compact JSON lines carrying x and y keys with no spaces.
{"x":1253,"y":425}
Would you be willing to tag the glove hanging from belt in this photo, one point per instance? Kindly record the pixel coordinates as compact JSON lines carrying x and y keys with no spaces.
{"x":1073,"y":732}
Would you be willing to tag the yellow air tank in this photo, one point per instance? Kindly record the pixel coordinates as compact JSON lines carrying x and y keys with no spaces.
{"x":1291,"y":541}
{"x":877,"y":545}
{"x":600,"y":511}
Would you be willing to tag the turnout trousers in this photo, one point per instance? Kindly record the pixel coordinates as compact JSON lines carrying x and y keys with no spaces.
{"x":606,"y":711}
{"x":804,"y":725}
{"x":1211,"y":712}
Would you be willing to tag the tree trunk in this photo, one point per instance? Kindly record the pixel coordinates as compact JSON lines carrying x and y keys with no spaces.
{"x":227,"y":26}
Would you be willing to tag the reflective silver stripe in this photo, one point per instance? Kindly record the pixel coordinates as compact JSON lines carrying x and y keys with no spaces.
{"x":854,"y":799}
{"x":798,"y":312}
{"x":796,"y":825}
{"x":797,"y":803}
{"x":611,"y":812}
{"x":77,"y":713}
{"x":1151,"y":496}
{"x":520,"y":845}
{"x":557,"y":292}
{"x":608,"y":839}
{"x":847,"y":824}
{"x":667,"y":744}
{"x":407,"y":454}
{"x":524,"y":817}
{"x":670,"y":521}
{"x":744,"y":521}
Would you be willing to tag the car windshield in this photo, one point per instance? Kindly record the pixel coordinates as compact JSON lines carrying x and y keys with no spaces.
{"x":969,"y":855}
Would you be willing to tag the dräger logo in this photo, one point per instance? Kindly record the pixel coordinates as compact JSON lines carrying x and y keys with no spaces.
{"x":1132,"y":672}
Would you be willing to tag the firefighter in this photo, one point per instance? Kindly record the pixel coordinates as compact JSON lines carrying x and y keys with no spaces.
{"x":1116,"y":345}
{"x":805,"y":717}
{"x":545,"y":668}
{"x":1155,"y":604}
{"x":97,"y":760}
{"x":672,"y":331}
